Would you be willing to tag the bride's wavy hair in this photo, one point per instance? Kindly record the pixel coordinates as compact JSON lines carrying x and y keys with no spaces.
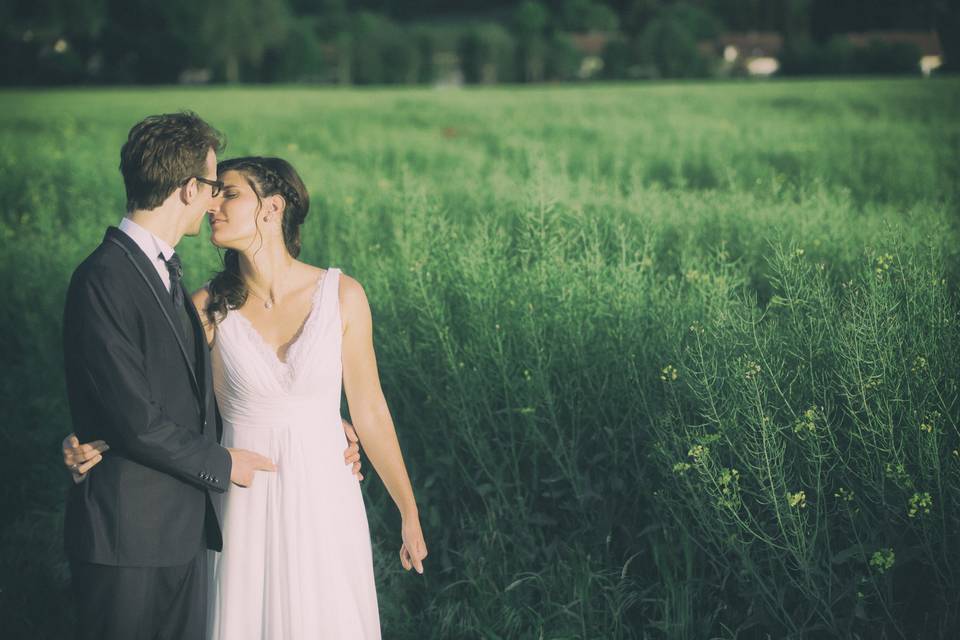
{"x":266,"y":176}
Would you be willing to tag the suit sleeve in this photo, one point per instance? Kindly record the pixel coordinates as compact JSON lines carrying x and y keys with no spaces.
{"x":111,"y":367}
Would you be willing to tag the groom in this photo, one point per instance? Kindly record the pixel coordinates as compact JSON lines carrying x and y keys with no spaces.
{"x":138,"y":376}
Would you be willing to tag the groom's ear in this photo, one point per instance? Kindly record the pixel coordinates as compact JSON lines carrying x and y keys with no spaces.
{"x":188,"y":191}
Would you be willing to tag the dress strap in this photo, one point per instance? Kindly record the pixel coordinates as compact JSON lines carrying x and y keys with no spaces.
{"x":330,"y":291}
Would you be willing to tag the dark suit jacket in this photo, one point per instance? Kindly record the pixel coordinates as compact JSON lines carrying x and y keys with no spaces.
{"x":129,"y":382}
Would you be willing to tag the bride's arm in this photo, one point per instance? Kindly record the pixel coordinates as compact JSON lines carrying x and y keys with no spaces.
{"x":371,"y":417}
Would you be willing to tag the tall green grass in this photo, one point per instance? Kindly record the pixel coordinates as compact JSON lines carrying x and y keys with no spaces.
{"x":671,"y":360}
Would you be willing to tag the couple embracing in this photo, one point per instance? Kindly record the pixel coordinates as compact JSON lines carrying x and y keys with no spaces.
{"x":211,"y":422}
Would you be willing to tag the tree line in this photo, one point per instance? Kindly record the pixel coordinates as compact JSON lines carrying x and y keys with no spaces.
{"x":388,"y":41}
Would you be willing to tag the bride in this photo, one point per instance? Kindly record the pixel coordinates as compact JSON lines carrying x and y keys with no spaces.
{"x":284,"y":336}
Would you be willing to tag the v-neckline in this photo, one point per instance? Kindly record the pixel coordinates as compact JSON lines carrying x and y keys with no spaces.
{"x":295,"y":340}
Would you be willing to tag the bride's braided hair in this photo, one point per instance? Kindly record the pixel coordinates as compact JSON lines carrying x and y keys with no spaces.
{"x":267,"y":177}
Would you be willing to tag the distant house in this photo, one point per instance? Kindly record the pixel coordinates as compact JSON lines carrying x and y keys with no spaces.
{"x":591,"y":43}
{"x":755,"y":52}
{"x":590,"y":46}
{"x":751,"y":44}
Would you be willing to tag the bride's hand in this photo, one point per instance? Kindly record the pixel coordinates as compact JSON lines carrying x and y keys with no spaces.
{"x":414,"y":549}
{"x":352,"y":453}
{"x":80,"y":458}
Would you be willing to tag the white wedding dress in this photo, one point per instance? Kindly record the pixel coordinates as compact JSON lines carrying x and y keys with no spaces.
{"x":296,"y":561}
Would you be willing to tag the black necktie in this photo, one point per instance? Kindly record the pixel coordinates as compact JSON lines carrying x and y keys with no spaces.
{"x":176,"y":272}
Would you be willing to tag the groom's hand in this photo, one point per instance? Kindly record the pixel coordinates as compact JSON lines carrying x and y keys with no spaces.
{"x":80,"y":458}
{"x":245,"y":464}
{"x":352,"y":452}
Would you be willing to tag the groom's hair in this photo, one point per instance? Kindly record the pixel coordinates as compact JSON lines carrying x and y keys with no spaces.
{"x":163,"y":151}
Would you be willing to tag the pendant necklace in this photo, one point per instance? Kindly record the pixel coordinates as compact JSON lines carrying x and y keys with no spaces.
{"x":267,"y":304}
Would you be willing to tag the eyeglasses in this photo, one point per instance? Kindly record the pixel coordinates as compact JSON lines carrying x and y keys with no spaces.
{"x":215,"y":185}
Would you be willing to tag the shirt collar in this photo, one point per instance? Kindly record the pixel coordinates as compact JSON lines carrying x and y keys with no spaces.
{"x":149,"y":243}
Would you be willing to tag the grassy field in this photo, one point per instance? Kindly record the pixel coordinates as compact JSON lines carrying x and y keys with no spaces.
{"x":665,"y":360}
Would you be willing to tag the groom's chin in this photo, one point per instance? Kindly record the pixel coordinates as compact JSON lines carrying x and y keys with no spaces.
{"x":195,"y":229}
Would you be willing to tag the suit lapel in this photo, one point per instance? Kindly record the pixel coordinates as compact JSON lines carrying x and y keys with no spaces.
{"x":202,"y":351}
{"x":163,"y":298}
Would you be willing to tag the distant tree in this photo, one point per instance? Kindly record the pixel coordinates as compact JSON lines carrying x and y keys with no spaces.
{"x":425,"y":42}
{"x":747,"y":15}
{"x":638,"y":15}
{"x":298,"y":57}
{"x":947,"y":20}
{"x":804,"y":56}
{"x":472,"y":55}
{"x":486,"y":52}
{"x":562,"y":60}
{"x":55,"y":18}
{"x":238,"y":32}
{"x":332,"y":16}
{"x":381,"y":52}
{"x":700,"y":23}
{"x":49,"y":41}
{"x":887,"y":58}
{"x":839,"y":56}
{"x":531,"y":21}
{"x":795,"y":20}
{"x":177,"y":40}
{"x":617,"y":58}
{"x":588,"y":15}
{"x":670,"y":42}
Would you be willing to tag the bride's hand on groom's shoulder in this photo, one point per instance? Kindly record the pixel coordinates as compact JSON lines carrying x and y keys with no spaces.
{"x":80,"y":458}
{"x":414,"y":548}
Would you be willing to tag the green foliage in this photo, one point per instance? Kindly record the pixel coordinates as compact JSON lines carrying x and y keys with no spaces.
{"x":486,"y":54}
{"x":426,"y":42}
{"x":562,"y":59}
{"x":530,"y":19}
{"x":661,"y":41}
{"x":382,"y":52}
{"x":700,"y":24}
{"x":638,"y":14}
{"x":617,"y":58}
{"x":671,"y":46}
{"x":299,"y":58}
{"x":672,"y":360}
{"x":588,"y":15}
{"x":839,"y":56}
{"x":239,"y":32}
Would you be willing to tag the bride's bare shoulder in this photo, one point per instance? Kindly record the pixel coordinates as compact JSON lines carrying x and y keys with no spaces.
{"x":351,"y":291}
{"x":354,"y":305}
